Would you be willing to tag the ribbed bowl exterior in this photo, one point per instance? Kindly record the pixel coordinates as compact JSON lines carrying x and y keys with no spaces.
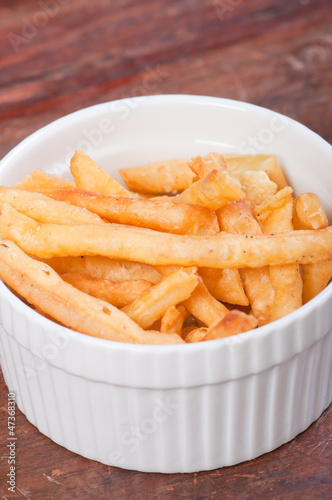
{"x":179,"y":408}
{"x":182,"y":428}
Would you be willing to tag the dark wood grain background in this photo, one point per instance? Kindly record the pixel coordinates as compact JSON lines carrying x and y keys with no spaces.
{"x":57,"y":56}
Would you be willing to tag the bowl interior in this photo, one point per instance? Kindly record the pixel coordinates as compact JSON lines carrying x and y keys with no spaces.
{"x":135,"y":131}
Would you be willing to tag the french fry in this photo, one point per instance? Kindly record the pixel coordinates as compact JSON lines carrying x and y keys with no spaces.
{"x":118,"y":294}
{"x":233,"y":323}
{"x":275,"y":216}
{"x":212,"y":191}
{"x":256,"y":183}
{"x":237,"y":218}
{"x":224,"y":285}
{"x":98,"y":267}
{"x":166,"y":270}
{"x":153,"y":247}
{"x":41,"y":286}
{"x":202,"y":166}
{"x":257,"y":186}
{"x":315,"y":278}
{"x":260,"y":291}
{"x":153,"y":304}
{"x":167,"y":262}
{"x":89,"y":176}
{"x":188,"y":329}
{"x":38,"y":179}
{"x":308,"y":212}
{"x":275,"y":213}
{"x":203,"y":306}
{"x":196,"y":335}
{"x":173,"y":319}
{"x":167,"y":176}
{"x":237,"y":164}
{"x":167,"y":217}
{"x":44,"y":209}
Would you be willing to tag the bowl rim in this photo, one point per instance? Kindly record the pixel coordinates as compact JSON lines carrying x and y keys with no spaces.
{"x":260,"y":332}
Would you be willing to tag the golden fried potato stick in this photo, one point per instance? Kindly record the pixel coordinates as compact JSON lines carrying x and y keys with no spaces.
{"x":166,"y":270}
{"x":233,"y":323}
{"x":167,"y":176}
{"x":315,"y":278}
{"x":42,"y":287}
{"x":173,"y":319}
{"x":99,"y":267}
{"x":177,"y":175}
{"x":118,"y":294}
{"x":275,"y":215}
{"x":43,"y":209}
{"x":257,"y":186}
{"x":156,"y":248}
{"x":237,"y":164}
{"x":203,"y":306}
{"x":177,"y":218}
{"x":224,"y":285}
{"x":38,"y":179}
{"x":202,"y":166}
{"x":237,"y":218}
{"x":212,"y":191}
{"x":188,"y":329}
{"x":153,"y":304}
{"x":89,"y":176}
{"x":196,"y":335}
{"x":308,"y":212}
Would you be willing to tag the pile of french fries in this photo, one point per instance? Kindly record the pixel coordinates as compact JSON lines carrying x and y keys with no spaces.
{"x":192,"y":250}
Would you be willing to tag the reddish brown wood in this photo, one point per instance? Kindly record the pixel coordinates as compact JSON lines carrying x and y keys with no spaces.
{"x":275,"y":53}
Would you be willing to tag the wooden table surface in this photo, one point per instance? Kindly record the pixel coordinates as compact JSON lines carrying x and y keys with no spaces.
{"x":57,"y":56}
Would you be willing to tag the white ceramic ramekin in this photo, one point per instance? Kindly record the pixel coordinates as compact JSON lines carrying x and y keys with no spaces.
{"x":171,"y":408}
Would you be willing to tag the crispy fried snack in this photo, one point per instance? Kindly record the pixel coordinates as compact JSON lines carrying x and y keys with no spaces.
{"x":275,"y":216}
{"x":202,"y":166}
{"x":232,"y":323}
{"x":38,"y":179}
{"x":167,"y":176}
{"x":237,"y":164}
{"x":224,"y":284}
{"x":91,"y":177}
{"x":43,"y":209}
{"x":315,"y":278}
{"x":196,"y":335}
{"x":237,"y":218}
{"x":213,"y":191}
{"x":257,"y":186}
{"x":203,"y":306}
{"x":98,"y":267}
{"x":119,"y":294}
{"x":153,"y":247}
{"x":177,"y":218}
{"x":43,"y":287}
{"x":173,"y":319}
{"x":153,"y":304}
{"x":309,"y":214}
